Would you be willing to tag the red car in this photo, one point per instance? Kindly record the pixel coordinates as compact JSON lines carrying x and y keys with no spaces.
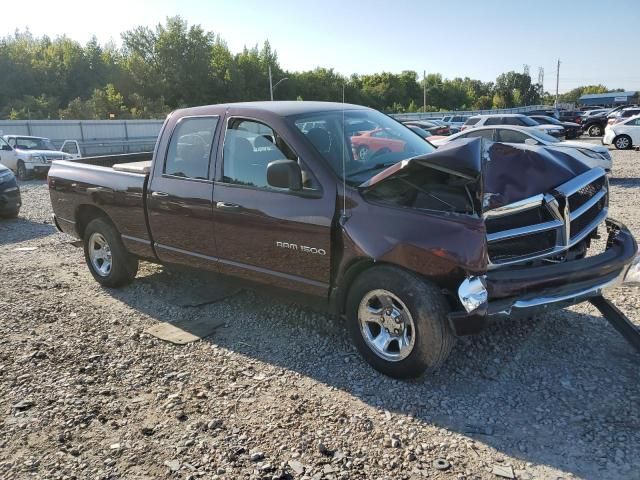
{"x":365,"y":144}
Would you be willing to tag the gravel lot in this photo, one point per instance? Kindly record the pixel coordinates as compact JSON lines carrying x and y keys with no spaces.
{"x":279,"y":392}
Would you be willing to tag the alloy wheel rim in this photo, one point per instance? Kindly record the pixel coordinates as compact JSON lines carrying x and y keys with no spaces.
{"x":622,"y":143}
{"x":386,"y":325}
{"x":100,"y":254}
{"x":596,"y":131}
{"x":362,"y":153}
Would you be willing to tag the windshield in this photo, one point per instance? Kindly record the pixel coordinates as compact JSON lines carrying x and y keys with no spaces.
{"x":540,"y":135}
{"x":367,"y":140}
{"x":30,"y":143}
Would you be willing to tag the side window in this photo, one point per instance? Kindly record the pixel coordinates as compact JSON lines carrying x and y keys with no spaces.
{"x":472,"y":121}
{"x":190,"y":148}
{"x":493,"y":121}
{"x":12,"y":142}
{"x":511,"y":136}
{"x":484,"y":133}
{"x":4,"y":145}
{"x":249,"y":147}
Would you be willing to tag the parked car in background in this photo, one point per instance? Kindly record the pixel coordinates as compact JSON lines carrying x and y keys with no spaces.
{"x":572,"y":129}
{"x":551,"y":112}
{"x":422,"y":133}
{"x":620,"y":115}
{"x":574,"y":116}
{"x":376,"y":142}
{"x":623,"y":135}
{"x":455,"y":121}
{"x":10,"y":201}
{"x":592,"y":155}
{"x":28,"y":156}
{"x":594,"y":124}
{"x":514,"y":119}
{"x":433,"y":127}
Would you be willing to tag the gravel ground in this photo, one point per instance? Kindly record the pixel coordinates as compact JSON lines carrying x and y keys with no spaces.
{"x":279,"y":392}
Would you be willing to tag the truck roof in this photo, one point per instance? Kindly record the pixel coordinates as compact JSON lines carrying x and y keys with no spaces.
{"x":282,"y":108}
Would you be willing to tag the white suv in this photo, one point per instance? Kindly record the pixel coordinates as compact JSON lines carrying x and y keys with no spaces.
{"x":514,"y":119}
{"x":623,"y":135}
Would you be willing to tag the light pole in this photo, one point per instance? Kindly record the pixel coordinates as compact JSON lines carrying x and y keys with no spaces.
{"x":272,"y":87}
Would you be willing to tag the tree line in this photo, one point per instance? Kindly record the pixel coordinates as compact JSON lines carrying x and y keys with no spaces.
{"x":176,"y":65}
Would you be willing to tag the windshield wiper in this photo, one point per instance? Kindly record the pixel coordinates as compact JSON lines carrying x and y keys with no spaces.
{"x":377,"y":166}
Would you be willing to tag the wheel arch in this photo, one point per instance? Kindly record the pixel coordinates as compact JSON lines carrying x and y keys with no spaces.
{"x":85,"y":214}
{"x":356,"y":268}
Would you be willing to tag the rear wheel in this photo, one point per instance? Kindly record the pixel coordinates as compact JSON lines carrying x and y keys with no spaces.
{"x":12,"y":214}
{"x":398,"y":322}
{"x":107,"y":258}
{"x":595,"y":130}
{"x":622,"y":142}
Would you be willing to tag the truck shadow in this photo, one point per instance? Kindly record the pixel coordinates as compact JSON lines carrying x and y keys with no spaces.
{"x":16,"y":230}
{"x":527,"y":388}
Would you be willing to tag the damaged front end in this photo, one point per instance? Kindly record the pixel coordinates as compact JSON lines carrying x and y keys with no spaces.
{"x":540,"y":211}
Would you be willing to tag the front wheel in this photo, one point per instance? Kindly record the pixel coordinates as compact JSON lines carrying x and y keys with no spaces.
{"x":595,"y":131}
{"x":398,"y":322}
{"x":622,"y":142}
{"x":107,"y":258}
{"x":21,"y":171}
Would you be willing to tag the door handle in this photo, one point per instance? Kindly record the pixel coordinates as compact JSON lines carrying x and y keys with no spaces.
{"x":227,"y":206}
{"x":159,"y":194}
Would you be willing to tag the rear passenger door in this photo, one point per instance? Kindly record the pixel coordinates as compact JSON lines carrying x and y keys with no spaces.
{"x":263,"y":233}
{"x":179,"y":195}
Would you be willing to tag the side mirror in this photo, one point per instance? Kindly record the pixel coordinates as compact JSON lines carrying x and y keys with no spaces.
{"x":530,"y":141}
{"x":6,"y":148}
{"x":284,"y":174}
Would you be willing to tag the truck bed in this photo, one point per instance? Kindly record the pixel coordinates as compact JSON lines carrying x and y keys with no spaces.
{"x":78,"y":186}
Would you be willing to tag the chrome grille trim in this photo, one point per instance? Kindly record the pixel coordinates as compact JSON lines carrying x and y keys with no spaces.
{"x":558,"y":205}
{"x":588,"y":204}
{"x":519,"y":232}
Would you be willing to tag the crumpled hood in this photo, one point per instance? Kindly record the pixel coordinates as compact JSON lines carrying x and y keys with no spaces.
{"x":498,"y":174}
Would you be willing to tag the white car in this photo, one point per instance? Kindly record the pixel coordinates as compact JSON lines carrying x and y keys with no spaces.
{"x":27,"y":155}
{"x":514,"y":119}
{"x":588,"y":153}
{"x":623,"y":135}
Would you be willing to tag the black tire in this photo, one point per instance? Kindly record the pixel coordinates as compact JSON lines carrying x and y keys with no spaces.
{"x":433,"y":338}
{"x":123,"y":265}
{"x":13,"y":214}
{"x":595,"y":130}
{"x":623,"y":142}
{"x":21,"y":171}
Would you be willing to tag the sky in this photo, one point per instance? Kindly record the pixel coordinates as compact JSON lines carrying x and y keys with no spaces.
{"x":596,"y":43}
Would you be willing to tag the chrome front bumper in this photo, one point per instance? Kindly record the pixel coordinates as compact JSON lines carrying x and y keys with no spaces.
{"x":530,"y":292}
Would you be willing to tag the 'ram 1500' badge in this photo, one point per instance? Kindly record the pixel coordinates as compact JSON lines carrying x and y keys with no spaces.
{"x":301,"y":248}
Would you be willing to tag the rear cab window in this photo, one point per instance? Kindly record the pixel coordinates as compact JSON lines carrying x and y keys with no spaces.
{"x":472,"y":121}
{"x":189,"y":151}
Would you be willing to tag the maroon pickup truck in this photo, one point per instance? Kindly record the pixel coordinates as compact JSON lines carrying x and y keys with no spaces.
{"x":413,"y":246}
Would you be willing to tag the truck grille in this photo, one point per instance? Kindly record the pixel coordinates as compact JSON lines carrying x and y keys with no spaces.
{"x":546,"y":225}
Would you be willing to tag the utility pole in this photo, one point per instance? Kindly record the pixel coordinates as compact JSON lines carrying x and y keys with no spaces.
{"x":272,"y":87}
{"x":270,"y":84}
{"x":557,"y":82}
{"x":424,"y":91}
